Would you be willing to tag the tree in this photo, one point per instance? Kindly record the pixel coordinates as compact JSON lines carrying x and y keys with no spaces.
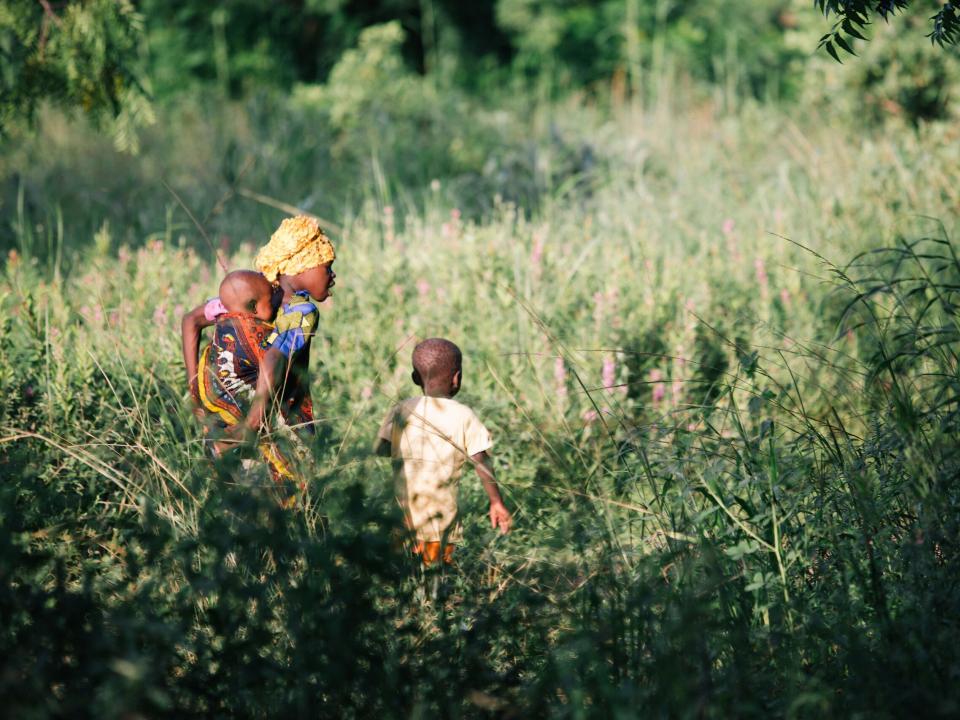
{"x":79,"y":54}
{"x":581,"y":42}
{"x":854,"y":15}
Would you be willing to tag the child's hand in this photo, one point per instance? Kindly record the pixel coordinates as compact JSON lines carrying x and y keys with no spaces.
{"x":500,"y":517}
{"x":221,"y":446}
{"x":239,"y":434}
{"x":233,"y":437}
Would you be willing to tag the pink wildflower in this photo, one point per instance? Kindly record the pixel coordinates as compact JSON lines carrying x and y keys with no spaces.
{"x":729,"y":233}
{"x":590,"y":416}
{"x":367,"y":392}
{"x":690,"y":307}
{"x":423,"y":288}
{"x":536,"y":255}
{"x":762,"y":278}
{"x":785,"y":297}
{"x":676,"y":391}
{"x":160,"y":315}
{"x":778,"y":218}
{"x":609,"y":373}
{"x":452,"y":228}
{"x":659,"y":388}
{"x":560,"y":377}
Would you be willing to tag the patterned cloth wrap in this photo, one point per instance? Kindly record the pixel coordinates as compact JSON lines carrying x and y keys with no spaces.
{"x":293,"y":328}
{"x":230,"y":366}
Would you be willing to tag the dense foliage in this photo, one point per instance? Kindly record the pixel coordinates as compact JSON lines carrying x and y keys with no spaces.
{"x":731,"y":463}
{"x":84,"y":57}
{"x":109,"y":58}
{"x":705,"y":307}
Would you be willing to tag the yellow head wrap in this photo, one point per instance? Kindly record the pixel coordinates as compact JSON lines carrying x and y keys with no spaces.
{"x":298,"y":245}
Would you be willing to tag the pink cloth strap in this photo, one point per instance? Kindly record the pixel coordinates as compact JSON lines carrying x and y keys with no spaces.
{"x":213,"y":309}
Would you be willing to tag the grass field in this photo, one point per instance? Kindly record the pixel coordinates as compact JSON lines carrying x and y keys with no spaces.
{"x":725,"y":420}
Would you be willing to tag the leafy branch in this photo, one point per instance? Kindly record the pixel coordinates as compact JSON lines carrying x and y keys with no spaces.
{"x":853,"y":16}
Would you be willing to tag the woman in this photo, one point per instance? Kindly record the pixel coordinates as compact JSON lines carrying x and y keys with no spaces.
{"x":250,"y":364}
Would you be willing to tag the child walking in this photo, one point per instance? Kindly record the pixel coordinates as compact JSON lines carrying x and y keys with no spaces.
{"x":251,"y":363}
{"x":430,"y":438}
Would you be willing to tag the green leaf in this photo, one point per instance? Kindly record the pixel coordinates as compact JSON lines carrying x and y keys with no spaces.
{"x":741,"y":549}
{"x":757,"y":582}
{"x":833,"y":52}
{"x":844,"y":44}
{"x":850,"y":30}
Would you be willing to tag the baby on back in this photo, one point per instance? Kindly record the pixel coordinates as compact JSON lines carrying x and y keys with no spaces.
{"x":249,"y":293}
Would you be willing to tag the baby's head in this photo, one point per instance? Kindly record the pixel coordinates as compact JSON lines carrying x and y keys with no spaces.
{"x":248,"y":292}
{"x":438,"y":367}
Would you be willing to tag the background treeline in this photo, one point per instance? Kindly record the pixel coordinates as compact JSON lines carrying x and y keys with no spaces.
{"x":332,"y":105}
{"x":102,"y":52}
{"x":477,"y":46}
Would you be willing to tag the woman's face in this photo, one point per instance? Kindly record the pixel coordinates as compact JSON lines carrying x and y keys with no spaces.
{"x":317,"y":281}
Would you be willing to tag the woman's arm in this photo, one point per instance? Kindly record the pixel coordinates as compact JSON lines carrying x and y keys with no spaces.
{"x":272,"y":366}
{"x":190,"y":327}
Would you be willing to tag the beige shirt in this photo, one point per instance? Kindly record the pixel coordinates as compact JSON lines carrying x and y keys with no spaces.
{"x":430,"y":440}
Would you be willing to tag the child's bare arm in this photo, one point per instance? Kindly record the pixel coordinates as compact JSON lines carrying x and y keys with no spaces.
{"x":499,"y":515}
{"x":191,"y":325}
{"x":382,"y":447}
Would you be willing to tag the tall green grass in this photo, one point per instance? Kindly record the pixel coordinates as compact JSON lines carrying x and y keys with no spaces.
{"x":730,"y":451}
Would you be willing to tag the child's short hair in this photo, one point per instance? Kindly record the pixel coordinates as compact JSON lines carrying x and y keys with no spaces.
{"x":436,"y":357}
